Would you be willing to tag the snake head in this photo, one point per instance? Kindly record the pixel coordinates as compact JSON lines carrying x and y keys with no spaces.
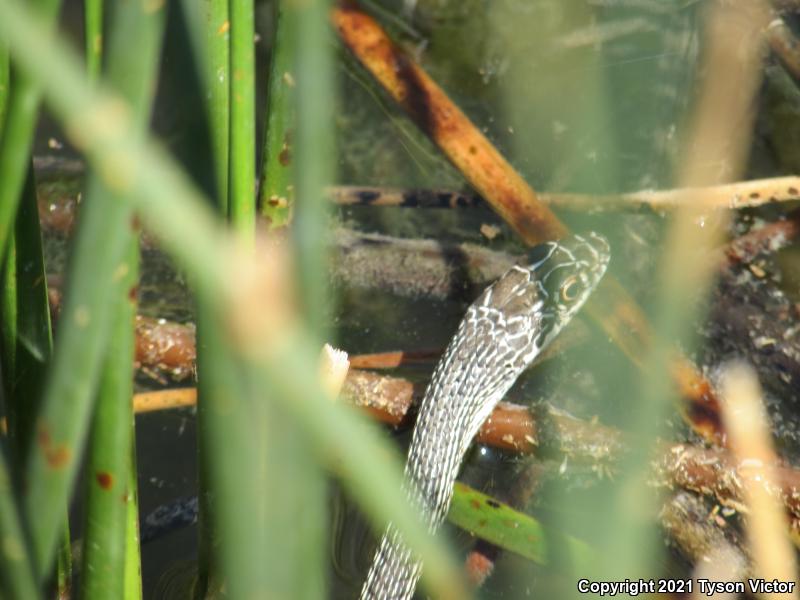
{"x":565,"y":273}
{"x":526,"y":308}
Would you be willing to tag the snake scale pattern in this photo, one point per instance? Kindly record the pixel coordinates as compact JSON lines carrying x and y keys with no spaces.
{"x":502,"y":332}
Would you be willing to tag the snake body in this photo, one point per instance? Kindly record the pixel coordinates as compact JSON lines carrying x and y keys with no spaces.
{"x":498,"y":338}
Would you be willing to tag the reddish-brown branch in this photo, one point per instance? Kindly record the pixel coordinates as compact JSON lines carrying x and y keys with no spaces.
{"x":164,"y":346}
{"x":387,"y":399}
{"x":510,"y":427}
{"x":463,"y":143}
{"x":392,"y":360}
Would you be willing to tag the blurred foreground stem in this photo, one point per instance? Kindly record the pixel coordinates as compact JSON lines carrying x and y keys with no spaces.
{"x":309,"y":45}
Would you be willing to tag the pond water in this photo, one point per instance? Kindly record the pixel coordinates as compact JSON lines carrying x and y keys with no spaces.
{"x":587,"y":96}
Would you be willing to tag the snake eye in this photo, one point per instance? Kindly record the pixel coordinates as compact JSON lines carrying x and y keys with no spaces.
{"x":570,"y":288}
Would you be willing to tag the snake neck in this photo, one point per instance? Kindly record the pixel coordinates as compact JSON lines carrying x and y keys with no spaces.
{"x":432,"y":467}
{"x":466,"y":386}
{"x":446,"y":425}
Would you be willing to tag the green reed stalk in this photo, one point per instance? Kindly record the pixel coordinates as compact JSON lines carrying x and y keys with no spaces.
{"x":26,"y":348}
{"x":132,"y":586}
{"x":175,"y":211}
{"x":107,"y":472}
{"x":296,"y":512}
{"x":63,"y":421}
{"x":241,"y":170}
{"x":15,"y":143}
{"x":276,"y":192}
{"x":107,"y":532}
{"x":217,"y":63}
{"x":214,"y":55}
{"x":232,"y":552}
{"x":232,"y":467}
{"x":5,"y":74}
{"x":93,"y":36}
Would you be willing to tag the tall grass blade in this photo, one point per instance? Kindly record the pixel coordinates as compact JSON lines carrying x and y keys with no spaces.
{"x":217,"y":63}
{"x":15,"y":143}
{"x":212,"y":52}
{"x":107,"y":477}
{"x":107,"y":531}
